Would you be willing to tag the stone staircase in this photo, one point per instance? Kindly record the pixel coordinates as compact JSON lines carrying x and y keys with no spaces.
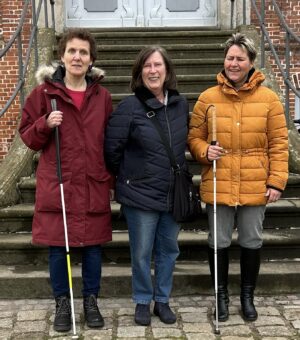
{"x":197,"y":56}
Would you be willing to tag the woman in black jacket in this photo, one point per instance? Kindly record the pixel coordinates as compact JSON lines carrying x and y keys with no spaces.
{"x":136,"y":155}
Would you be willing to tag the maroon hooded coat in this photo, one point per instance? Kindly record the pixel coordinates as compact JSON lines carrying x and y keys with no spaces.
{"x":86,"y":180}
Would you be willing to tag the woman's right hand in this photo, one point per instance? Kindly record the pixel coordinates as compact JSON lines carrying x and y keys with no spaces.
{"x":215,"y":152}
{"x":54,"y":119}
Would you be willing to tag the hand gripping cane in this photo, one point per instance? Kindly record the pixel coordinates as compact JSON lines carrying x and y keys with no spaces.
{"x":212,"y":108}
{"x":59,"y":174}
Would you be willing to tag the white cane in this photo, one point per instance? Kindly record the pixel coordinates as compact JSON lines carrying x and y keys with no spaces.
{"x":59,"y":174}
{"x":213,"y":142}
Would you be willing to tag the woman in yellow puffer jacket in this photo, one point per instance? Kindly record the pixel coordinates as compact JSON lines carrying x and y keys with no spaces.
{"x":252,"y":164}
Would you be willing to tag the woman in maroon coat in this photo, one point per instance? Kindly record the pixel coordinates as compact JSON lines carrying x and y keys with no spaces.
{"x":83,"y":108}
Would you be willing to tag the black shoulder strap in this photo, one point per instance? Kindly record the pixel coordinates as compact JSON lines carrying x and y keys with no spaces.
{"x":152,"y":116}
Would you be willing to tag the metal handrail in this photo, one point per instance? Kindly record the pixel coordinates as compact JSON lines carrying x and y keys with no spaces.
{"x":17,"y":32}
{"x":23,"y":67}
{"x":284,"y":73}
{"x":283,"y":22}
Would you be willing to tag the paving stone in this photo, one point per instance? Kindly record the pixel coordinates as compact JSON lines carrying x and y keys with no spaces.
{"x":97,"y":334}
{"x":267,"y":311}
{"x":156,"y":323}
{"x":275,"y":338}
{"x":230,"y":337}
{"x":4,"y":314}
{"x":197,"y":328}
{"x":166,"y":332}
{"x":5,"y":335}
{"x":274,"y":331}
{"x":126,"y":321}
{"x":192,"y":310}
{"x":269,"y":320}
{"x":292,"y":314}
{"x":30,"y":326}
{"x":240,"y":330}
{"x":193,"y":336}
{"x":296,"y":324}
{"x":279,"y":319}
{"x":126,"y":311}
{"x":131,"y":332}
{"x":31,"y":315}
{"x":193,"y":317}
{"x":6,"y":323}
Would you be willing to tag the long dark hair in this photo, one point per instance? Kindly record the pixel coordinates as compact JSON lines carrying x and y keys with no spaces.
{"x":144,"y":54}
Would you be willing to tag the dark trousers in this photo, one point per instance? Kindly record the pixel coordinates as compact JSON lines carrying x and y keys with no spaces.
{"x":91,"y":270}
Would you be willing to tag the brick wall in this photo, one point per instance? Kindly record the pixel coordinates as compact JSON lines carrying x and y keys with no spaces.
{"x":291,"y":12}
{"x":11,"y":11}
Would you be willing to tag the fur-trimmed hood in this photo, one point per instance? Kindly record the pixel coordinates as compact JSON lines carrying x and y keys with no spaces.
{"x":47,"y":72}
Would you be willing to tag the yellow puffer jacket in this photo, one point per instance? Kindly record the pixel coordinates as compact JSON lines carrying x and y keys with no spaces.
{"x":251,"y":127}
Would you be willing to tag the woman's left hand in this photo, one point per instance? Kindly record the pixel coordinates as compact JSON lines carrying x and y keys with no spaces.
{"x":273,"y":195}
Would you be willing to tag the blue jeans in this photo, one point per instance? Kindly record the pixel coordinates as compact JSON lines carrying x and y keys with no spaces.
{"x":157,"y":232}
{"x":91,"y":270}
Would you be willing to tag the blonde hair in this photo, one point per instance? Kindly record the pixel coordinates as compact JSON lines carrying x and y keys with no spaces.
{"x":243,"y":42}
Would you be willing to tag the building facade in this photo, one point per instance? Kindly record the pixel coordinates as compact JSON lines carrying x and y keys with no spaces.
{"x":206,"y":14}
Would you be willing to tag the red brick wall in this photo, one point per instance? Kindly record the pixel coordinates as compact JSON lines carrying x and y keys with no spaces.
{"x":291,"y":12}
{"x":11,"y":11}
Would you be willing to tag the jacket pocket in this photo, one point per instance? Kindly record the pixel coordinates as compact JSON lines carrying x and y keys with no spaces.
{"x":48,"y":193}
{"x":98,"y":195}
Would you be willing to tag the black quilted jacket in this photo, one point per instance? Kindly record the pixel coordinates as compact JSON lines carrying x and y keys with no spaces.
{"x":134,"y":151}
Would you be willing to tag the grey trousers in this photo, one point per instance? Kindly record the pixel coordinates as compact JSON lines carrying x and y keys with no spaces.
{"x":247,"y":219}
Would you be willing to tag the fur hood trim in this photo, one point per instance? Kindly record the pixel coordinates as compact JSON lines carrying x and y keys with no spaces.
{"x":45,"y":72}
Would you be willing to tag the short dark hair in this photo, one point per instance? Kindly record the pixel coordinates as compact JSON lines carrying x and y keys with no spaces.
{"x":144,"y":54}
{"x":243,"y":42}
{"x":79,"y":33}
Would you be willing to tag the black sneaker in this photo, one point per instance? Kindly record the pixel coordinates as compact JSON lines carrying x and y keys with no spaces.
{"x":142,"y":314}
{"x":62,"y":320}
{"x":164,"y":312}
{"x":91,"y":312}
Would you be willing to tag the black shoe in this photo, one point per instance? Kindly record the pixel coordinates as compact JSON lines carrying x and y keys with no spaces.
{"x":163,"y":311}
{"x":62,"y":320}
{"x":142,"y":314}
{"x":249,"y":312}
{"x":223,"y":301}
{"x":91,"y":312}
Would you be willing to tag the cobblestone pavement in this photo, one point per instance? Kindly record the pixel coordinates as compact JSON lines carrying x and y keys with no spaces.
{"x":279,"y":319}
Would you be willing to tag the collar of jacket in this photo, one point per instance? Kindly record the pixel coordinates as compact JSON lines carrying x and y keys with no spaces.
{"x":148,"y":98}
{"x":56,"y":73}
{"x":254,"y":79}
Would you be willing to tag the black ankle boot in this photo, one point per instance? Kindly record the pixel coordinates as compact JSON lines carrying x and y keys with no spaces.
{"x":62,"y":320}
{"x":250,"y":263}
{"x":223,"y":264}
{"x":142,"y":314}
{"x":164,"y":312}
{"x":91,"y":312}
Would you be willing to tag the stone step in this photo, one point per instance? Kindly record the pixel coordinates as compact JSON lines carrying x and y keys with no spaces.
{"x":159,"y":36}
{"x":190,"y":277}
{"x":182,"y":66}
{"x":175,"y":51}
{"x":279,"y":244}
{"x":186,"y":83}
{"x":27,"y":185}
{"x":190,"y":96}
{"x":285,"y":213}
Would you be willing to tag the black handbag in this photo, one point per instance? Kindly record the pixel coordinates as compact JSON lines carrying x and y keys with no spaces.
{"x":186,"y":203}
